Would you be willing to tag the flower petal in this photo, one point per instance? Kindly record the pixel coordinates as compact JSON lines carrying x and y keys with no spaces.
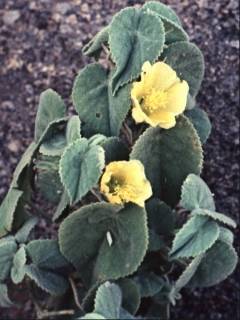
{"x":177,"y":97}
{"x":160,"y":76}
{"x":164,"y":119}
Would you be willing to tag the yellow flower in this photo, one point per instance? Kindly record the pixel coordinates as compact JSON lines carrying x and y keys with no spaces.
{"x":159,"y":96}
{"x":125,"y":181}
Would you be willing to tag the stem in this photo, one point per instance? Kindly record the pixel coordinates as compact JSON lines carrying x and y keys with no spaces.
{"x":97,"y":195}
{"x":47,"y":314}
{"x":75,"y":293}
{"x":128,"y":133}
{"x":108,"y":55}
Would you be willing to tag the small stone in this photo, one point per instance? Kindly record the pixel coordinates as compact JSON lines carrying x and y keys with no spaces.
{"x":85,"y":8}
{"x":14,"y":146}
{"x":9,"y":17}
{"x":63,"y":7}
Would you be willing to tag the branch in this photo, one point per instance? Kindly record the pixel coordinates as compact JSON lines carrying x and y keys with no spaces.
{"x":47,"y":314}
{"x":75,"y":293}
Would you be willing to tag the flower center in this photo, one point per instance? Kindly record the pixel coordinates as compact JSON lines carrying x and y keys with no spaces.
{"x":118,"y":187}
{"x":154,"y":100}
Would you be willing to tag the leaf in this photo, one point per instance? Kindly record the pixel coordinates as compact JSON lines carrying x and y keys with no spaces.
{"x":22,"y":165}
{"x":196,"y":194}
{"x":108,"y":301}
{"x":187,"y":274}
{"x":8,"y":210}
{"x":48,"y":180}
{"x":115,"y":150}
{"x":225,"y":235}
{"x":97,"y":139}
{"x":18,"y":268}
{"x":53,"y":140}
{"x":187,"y":60}
{"x":47,"y":280}
{"x":73,"y":131}
{"x":156,"y":242}
{"x":216,"y":216}
{"x":217,"y":264}
{"x":135,"y":36}
{"x":100,"y":111}
{"x":168,"y":157}
{"x":5,"y":302}
{"x":163,"y":10}
{"x":173,"y":29}
{"x":22,"y":234}
{"x":149,"y":284}
{"x":89,"y":226}
{"x":81,"y":166}
{"x":51,"y":107}
{"x":195,"y":237}
{"x":45,"y":254}
{"x":8,"y":248}
{"x":93,"y":316}
{"x":201,"y":123}
{"x":160,"y":217}
{"x":63,"y":204}
{"x":191,"y":102}
{"x":94,"y":46}
{"x":130,"y":295}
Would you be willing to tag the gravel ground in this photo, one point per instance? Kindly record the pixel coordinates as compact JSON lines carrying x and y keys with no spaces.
{"x":40,"y":47}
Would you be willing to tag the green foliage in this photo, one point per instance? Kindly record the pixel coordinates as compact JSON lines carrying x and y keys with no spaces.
{"x":187,"y":60}
{"x":73,"y":131}
{"x":195,"y":237}
{"x":172,"y":25}
{"x":45,"y":254}
{"x":48,"y":281}
{"x":168,"y":157}
{"x":5,"y":302}
{"x":8,"y":248}
{"x":94,"y":46}
{"x":92,"y":96}
{"x":51,"y":107}
{"x":22,"y":234}
{"x":9,"y":209}
{"x":18,"y":268}
{"x":63,"y":204}
{"x":130,"y":295}
{"x":149,"y":284}
{"x":90,"y":225}
{"x":135,"y":36}
{"x":80,"y":168}
{"x":115,"y":150}
{"x":201,"y":122}
{"x":216,"y":216}
{"x":216,"y":265}
{"x":196,"y":194}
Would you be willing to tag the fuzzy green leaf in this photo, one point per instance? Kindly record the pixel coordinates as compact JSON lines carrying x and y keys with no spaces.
{"x":187,"y":274}
{"x":63,"y":204}
{"x":108,"y":300}
{"x":22,"y":165}
{"x":135,"y":36}
{"x":160,"y":217}
{"x":201,"y":123}
{"x":45,"y":254}
{"x":187,"y":60}
{"x":48,"y":179}
{"x":216,"y":216}
{"x":51,"y":107}
{"x":196,"y":236}
{"x":8,"y":248}
{"x":81,"y":166}
{"x":172,"y":25}
{"x":149,"y":284}
{"x":5,"y":302}
{"x":156,"y":242}
{"x":216,"y":265}
{"x":225,"y":235}
{"x":90,"y":225}
{"x":168,"y":157}
{"x":22,"y":234}
{"x":115,"y":150}
{"x":92,"y":316}
{"x":18,"y":268}
{"x":47,"y":280}
{"x":73,"y":131}
{"x":100,"y":111}
{"x":8,"y":210}
{"x":94,"y":46}
{"x":130,"y":295}
{"x":196,"y":194}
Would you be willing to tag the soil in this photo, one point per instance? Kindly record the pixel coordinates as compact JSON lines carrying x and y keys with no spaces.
{"x":40,"y":47}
